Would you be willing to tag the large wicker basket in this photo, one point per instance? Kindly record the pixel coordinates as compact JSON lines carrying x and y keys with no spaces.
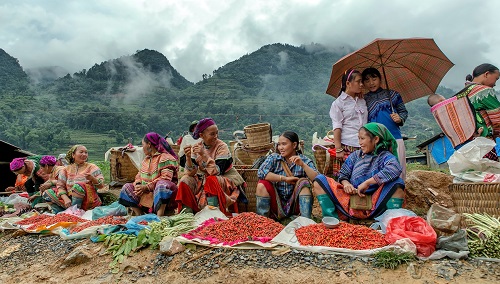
{"x":258,"y":134}
{"x":246,"y":154}
{"x":121,"y":167}
{"x":251,"y":179}
{"x":176,"y":148}
{"x":476,"y":197}
{"x":324,"y":165}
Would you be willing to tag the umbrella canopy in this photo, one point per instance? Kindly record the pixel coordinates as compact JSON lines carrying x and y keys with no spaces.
{"x":414,"y":66}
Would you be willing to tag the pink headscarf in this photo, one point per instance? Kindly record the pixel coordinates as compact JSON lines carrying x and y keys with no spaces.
{"x":160,"y":143}
{"x":201,"y":126}
{"x":17,"y":164}
{"x":48,"y":160}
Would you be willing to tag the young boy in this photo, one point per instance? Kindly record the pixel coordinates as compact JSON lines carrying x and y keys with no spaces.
{"x":386,"y":107}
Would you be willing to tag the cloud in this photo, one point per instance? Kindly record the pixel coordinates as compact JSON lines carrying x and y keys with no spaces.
{"x":200,"y":36}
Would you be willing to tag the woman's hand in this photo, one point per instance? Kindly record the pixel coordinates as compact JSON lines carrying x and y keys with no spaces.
{"x":291,"y":180}
{"x":230,"y":200}
{"x":199,"y":150}
{"x":396,"y":118}
{"x":340,"y":155}
{"x":362,"y":188}
{"x":349,"y":188}
{"x":297,"y":160}
{"x":187,"y":152}
{"x":46,"y":185}
{"x":11,"y":188}
{"x":140,"y":189}
{"x":66,"y":200}
{"x":91,"y":178}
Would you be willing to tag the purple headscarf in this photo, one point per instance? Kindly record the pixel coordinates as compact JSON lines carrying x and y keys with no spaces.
{"x":201,"y":126}
{"x":17,"y":164}
{"x":159,"y":143}
{"x":48,"y":160}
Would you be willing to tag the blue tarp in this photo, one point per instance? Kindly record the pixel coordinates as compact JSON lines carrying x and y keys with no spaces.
{"x":441,"y":150}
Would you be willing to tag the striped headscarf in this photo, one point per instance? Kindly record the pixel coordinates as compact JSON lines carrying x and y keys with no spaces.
{"x":159,"y":143}
{"x":69,"y":155}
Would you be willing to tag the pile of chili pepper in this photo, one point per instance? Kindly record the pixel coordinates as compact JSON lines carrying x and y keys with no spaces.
{"x":111,"y":220}
{"x":33,"y":219}
{"x":246,"y":226}
{"x":349,"y":236}
{"x":62,"y":217}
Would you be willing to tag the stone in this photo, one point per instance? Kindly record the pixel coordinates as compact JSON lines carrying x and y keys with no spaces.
{"x":169,"y":246}
{"x":414,"y":273}
{"x":78,"y":256}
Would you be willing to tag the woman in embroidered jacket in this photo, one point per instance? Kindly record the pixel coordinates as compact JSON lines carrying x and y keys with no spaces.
{"x":30,"y":167}
{"x":80,"y":180}
{"x":284,"y":186}
{"x":372,"y":171}
{"x":156,"y":182}
{"x":348,"y":113}
{"x":48,"y":190}
{"x":209,"y":177}
{"x":386,"y":107}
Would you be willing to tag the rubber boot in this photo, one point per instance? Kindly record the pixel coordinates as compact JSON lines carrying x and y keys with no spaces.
{"x":186,"y":209}
{"x":394,"y":203}
{"x":305,"y":205}
{"x":263,"y":205}
{"x":327,"y":206}
{"x":213,"y":201}
{"x":76,"y":201}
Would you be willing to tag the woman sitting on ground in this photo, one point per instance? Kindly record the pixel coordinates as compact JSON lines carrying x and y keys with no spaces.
{"x":156,"y":183}
{"x":284,"y":187}
{"x":48,"y":189}
{"x":80,"y":179}
{"x":373,"y":171}
{"x":209,"y":177}
{"x":30,"y":167}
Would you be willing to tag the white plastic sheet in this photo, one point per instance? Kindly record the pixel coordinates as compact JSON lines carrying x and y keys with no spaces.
{"x":468,"y":165}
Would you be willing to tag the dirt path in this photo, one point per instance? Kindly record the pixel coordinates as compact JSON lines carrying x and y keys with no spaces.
{"x":35,"y":259}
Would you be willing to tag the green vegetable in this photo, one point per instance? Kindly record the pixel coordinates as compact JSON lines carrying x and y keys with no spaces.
{"x":484,"y":235}
{"x":391,"y":259}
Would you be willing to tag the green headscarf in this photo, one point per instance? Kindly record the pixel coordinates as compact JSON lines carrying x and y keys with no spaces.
{"x":386,"y":142}
{"x":69,"y":155}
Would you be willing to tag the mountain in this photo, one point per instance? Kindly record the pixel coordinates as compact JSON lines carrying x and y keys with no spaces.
{"x":124,"y":98}
{"x":12,"y":76}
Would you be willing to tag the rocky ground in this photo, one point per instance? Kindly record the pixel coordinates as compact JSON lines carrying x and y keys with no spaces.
{"x":48,"y":259}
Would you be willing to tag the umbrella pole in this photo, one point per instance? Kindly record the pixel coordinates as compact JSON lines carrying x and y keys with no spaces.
{"x":387,"y":87}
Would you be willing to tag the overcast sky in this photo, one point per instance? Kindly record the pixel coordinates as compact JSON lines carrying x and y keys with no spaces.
{"x":200,"y":36}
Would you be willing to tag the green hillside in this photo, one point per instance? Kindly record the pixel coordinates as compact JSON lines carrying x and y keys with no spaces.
{"x":129,"y":96}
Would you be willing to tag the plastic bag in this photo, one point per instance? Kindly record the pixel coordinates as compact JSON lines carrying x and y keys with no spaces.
{"x":74,"y":210}
{"x":113,"y":209}
{"x":388,"y":215}
{"x":443,"y":219}
{"x":414,"y":228}
{"x":456,"y":242}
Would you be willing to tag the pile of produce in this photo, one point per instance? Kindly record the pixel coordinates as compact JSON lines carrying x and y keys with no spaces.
{"x":349,"y":236}
{"x":246,"y":226}
{"x":59,"y":218}
{"x":484,"y":235}
{"x":391,"y":259}
{"x":33,"y":219}
{"x":121,"y":245}
{"x":111,"y":220}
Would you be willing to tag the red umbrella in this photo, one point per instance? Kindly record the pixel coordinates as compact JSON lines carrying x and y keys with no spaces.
{"x":414,"y":66}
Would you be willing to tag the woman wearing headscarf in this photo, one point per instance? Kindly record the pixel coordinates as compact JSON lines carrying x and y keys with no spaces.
{"x":80,"y":179}
{"x":48,"y":190}
{"x":479,"y":90}
{"x":285,"y":181}
{"x":156,"y":182}
{"x":372,"y":172}
{"x":30,"y":167}
{"x":209,"y":177}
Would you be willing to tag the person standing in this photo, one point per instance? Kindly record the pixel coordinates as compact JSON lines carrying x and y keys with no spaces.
{"x":386,"y":107}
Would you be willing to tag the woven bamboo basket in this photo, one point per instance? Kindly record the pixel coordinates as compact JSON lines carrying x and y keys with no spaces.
{"x":121,"y":167}
{"x":251,"y":179}
{"x":176,"y":148}
{"x":320,"y":157}
{"x":246,"y":154}
{"x":476,"y":197}
{"x":258,"y":134}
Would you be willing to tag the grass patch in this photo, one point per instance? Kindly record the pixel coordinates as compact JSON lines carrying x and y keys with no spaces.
{"x":419,"y":167}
